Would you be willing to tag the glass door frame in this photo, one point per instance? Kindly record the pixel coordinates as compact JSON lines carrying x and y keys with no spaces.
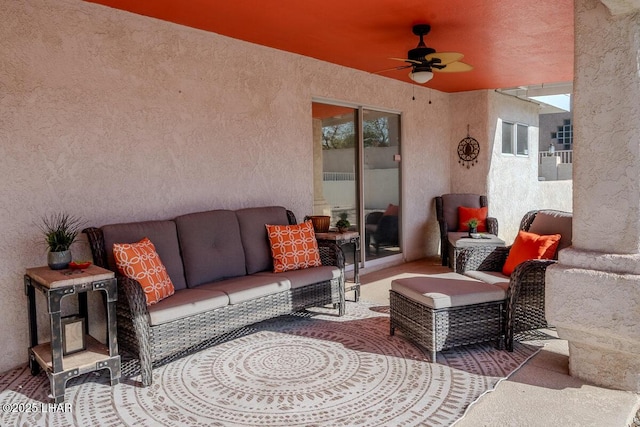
{"x":359,"y":152}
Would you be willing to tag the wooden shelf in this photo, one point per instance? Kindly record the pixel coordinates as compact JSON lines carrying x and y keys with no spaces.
{"x":63,"y":278}
{"x":83,"y":360}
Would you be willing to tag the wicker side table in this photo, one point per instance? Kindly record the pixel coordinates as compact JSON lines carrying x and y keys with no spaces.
{"x":460,"y":240}
{"x":55,"y":285}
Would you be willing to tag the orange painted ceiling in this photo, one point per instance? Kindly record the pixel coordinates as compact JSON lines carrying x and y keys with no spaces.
{"x":510,"y":43}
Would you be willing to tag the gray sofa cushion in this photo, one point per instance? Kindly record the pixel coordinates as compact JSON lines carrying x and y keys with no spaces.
{"x":211,"y":246}
{"x":162,"y":234}
{"x":253,"y":232}
{"x":450,"y":204}
{"x":245,"y":288}
{"x":554,"y":222}
{"x":186,"y":303}
{"x":305,"y":276}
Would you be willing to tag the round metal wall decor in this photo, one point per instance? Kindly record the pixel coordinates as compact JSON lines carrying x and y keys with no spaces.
{"x":468,"y":150}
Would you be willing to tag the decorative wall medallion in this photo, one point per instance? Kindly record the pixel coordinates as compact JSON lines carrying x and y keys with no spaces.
{"x":468,"y":150}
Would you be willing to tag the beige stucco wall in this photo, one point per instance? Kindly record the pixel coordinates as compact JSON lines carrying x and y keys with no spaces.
{"x":510,"y":182}
{"x":471,"y":112}
{"x":513,"y":180}
{"x":593,"y":292}
{"x":606,"y":118}
{"x":116,"y":117}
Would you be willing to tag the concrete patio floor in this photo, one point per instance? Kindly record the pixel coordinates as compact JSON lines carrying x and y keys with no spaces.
{"x":541,"y":392}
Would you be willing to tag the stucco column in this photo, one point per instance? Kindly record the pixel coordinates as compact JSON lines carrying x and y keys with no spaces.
{"x":593,"y":293}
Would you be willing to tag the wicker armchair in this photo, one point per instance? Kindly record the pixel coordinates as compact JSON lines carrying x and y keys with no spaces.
{"x":382,"y":228}
{"x":447,"y":215}
{"x":526,"y":285}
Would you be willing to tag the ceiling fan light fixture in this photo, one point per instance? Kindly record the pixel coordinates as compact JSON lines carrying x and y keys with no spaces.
{"x":421,"y":77}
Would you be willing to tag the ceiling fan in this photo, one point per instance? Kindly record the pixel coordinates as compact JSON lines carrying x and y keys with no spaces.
{"x":424,"y":61}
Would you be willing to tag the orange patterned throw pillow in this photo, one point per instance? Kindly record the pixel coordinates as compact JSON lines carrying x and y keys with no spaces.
{"x":140,"y":261}
{"x":293,"y":247}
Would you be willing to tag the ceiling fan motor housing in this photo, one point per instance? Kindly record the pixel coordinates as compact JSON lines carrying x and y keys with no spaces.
{"x":419,"y":53}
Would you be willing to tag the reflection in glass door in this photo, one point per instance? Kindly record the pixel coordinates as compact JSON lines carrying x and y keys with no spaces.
{"x":357,"y":174}
{"x":381,"y":183}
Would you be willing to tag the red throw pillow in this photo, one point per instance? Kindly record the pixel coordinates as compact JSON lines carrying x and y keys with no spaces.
{"x":392,"y":210}
{"x":465,"y":214}
{"x":530,"y":246}
{"x":293,"y":247}
{"x":140,"y":261}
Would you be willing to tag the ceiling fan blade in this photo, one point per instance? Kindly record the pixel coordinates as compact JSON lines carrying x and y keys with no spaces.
{"x":406,"y":60}
{"x":454,"y":67}
{"x":444,"y":57}
{"x":393,"y":69}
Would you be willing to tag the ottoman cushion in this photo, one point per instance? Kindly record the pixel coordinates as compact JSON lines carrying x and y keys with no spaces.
{"x":447,"y":290}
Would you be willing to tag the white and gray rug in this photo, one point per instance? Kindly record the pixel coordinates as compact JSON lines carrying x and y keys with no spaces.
{"x":321,"y":370}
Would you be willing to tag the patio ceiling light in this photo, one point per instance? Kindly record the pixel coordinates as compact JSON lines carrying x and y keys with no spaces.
{"x":421,"y":77}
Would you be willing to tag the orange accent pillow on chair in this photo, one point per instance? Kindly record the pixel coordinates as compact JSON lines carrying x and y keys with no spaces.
{"x":293,"y":247}
{"x":140,"y":261}
{"x":465,"y":214}
{"x":530,"y":246}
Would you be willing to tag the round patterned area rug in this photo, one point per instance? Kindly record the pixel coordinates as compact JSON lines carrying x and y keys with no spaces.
{"x":321,"y":370}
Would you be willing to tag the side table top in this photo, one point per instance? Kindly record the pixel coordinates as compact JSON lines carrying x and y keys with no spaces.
{"x":462,"y":239}
{"x":67,"y":277}
{"x":337,"y":236}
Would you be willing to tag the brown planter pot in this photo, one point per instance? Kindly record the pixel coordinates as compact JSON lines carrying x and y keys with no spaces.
{"x":320,"y":223}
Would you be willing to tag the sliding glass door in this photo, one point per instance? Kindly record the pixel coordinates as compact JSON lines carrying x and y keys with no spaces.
{"x":381,"y":183}
{"x":357,"y":174}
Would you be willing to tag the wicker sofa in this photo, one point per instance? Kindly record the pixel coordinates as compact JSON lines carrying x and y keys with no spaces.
{"x":220,"y":264}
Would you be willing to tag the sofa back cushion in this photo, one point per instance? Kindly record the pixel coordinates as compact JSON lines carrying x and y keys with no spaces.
{"x":211,"y":246}
{"x":162,"y":234}
{"x":554,"y":222}
{"x":253,"y":232}
{"x":450,"y":204}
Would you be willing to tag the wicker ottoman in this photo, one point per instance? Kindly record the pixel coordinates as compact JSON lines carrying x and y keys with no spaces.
{"x":446,"y":310}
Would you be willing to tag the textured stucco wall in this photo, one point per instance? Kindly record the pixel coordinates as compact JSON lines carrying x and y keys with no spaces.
{"x":513,"y":183}
{"x":116,"y":117}
{"x":593,"y":293}
{"x":471,"y":109}
{"x":607,"y":130}
{"x":510,"y":182}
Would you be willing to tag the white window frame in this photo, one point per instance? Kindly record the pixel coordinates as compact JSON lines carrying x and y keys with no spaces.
{"x":514,"y":139}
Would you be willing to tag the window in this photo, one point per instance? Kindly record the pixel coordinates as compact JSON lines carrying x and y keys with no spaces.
{"x":564,"y":135}
{"x":515,"y":139}
{"x":507,"y":138}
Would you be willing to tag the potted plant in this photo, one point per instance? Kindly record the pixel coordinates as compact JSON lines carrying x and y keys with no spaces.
{"x":60,"y":231}
{"x":343,"y":223}
{"x":473,"y":226}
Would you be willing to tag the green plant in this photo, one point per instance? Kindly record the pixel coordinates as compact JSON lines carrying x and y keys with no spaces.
{"x":343,"y":223}
{"x":472,"y":223}
{"x":60,"y":231}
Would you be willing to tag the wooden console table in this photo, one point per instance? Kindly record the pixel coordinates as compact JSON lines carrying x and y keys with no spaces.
{"x":340,"y":239}
{"x":55,"y":285}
